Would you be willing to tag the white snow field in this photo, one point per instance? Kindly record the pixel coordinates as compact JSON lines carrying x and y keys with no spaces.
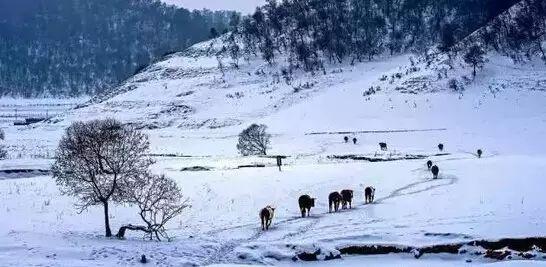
{"x":193,"y":114}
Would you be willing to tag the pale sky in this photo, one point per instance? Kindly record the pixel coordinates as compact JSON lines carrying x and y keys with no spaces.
{"x":244,"y":6}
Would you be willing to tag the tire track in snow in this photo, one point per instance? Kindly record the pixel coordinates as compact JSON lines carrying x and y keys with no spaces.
{"x":450,"y":180}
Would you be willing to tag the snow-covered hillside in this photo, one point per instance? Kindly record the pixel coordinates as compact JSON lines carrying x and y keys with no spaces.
{"x":189,"y":107}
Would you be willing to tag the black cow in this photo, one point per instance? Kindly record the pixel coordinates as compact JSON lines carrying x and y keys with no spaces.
{"x":306,"y":203}
{"x":369,"y":194}
{"x":266,"y":216}
{"x":347,"y":198}
{"x":435,"y":170}
{"x":383,"y":146}
{"x":354,"y":140}
{"x":429,"y":164}
{"x":441,"y":147}
{"x":480,"y":152}
{"x":346,"y":138}
{"x":334,"y":199}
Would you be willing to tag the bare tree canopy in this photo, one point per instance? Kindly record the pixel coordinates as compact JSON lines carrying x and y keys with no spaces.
{"x":254,"y":140}
{"x":474,"y":57}
{"x":159,"y":200}
{"x":95,"y":159}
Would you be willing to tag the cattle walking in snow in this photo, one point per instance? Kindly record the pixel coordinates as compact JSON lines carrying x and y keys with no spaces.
{"x":441,"y":147}
{"x":266,"y":216}
{"x":143,"y":259}
{"x":369,"y":194}
{"x":429,"y":164}
{"x":306,"y":203}
{"x":435,"y":170}
{"x":383,"y":146}
{"x":354,"y":140}
{"x":334,"y":199}
{"x":347,"y":198}
{"x":480,"y":152}
{"x":346,"y":138}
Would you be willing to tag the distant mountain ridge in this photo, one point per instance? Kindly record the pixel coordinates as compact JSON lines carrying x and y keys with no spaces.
{"x":74,"y":47}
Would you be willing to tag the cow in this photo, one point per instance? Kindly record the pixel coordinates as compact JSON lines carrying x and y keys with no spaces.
{"x":429,"y":164}
{"x":435,"y":170}
{"x":347,"y":198}
{"x":306,"y":203}
{"x":383,"y":146}
{"x":480,"y":152}
{"x":346,"y":139}
{"x":441,"y":147}
{"x":369,"y":194}
{"x":334,"y":199}
{"x":354,"y":140}
{"x":266,"y":216}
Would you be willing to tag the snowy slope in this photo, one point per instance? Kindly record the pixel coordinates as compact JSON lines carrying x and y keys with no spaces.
{"x":188,"y":107}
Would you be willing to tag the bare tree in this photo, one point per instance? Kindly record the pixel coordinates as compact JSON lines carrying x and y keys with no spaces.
{"x":159,"y":200}
{"x":3,"y":150}
{"x":95,"y":159}
{"x":474,"y":57}
{"x":254,"y":140}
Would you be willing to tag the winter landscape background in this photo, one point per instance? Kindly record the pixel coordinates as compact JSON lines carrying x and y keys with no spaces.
{"x":311,"y":91}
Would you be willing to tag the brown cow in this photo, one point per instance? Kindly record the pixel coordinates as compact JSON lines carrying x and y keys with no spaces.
{"x":306,"y":203}
{"x":369,"y":194}
{"x":429,"y":164}
{"x":266,"y":216}
{"x":435,"y":170}
{"x":334,"y":199}
{"x":347,"y":198}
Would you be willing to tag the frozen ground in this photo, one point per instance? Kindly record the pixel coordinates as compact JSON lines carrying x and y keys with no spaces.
{"x":497,"y":196}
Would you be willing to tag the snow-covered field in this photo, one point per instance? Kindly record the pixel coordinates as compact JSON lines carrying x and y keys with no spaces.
{"x":189,"y":108}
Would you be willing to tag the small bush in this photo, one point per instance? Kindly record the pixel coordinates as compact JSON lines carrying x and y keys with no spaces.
{"x":455,"y":85}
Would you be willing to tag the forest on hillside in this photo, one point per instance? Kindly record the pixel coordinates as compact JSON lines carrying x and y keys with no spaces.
{"x":311,"y":32}
{"x":75,"y":47}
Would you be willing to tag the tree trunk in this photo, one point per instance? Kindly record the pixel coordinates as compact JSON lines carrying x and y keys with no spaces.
{"x":106,"y":219}
{"x":123,"y":229}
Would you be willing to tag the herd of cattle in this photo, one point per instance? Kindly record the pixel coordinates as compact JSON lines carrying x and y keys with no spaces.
{"x":344,"y":197}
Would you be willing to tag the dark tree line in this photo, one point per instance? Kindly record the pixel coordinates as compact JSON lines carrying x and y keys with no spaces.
{"x":519,"y":34}
{"x":73,"y":47}
{"x":311,"y":31}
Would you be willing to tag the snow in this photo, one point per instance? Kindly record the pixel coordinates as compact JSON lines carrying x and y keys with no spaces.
{"x":496,"y":196}
{"x":245,"y":6}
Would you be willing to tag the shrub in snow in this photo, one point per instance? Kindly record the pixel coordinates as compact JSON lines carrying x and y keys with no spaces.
{"x":159,"y":200}
{"x":3,"y":152}
{"x":254,"y":140}
{"x":96,"y":161}
{"x":455,"y":85}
